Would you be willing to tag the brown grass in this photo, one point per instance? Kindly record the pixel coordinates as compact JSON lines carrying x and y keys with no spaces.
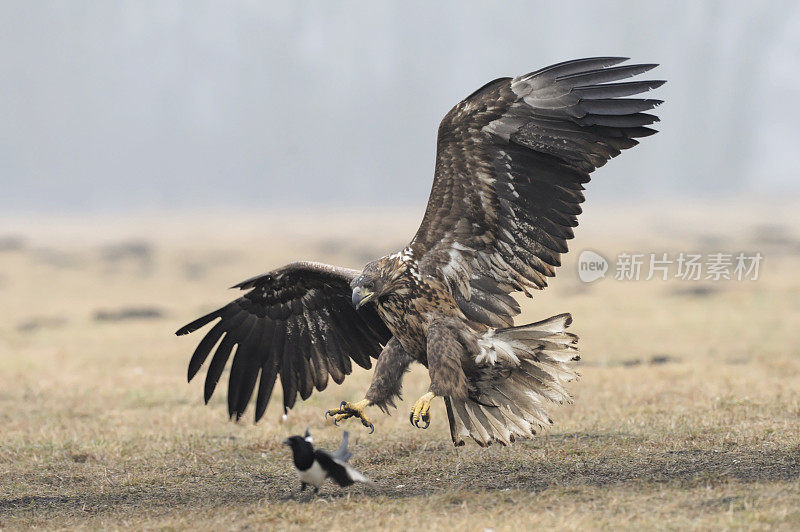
{"x":687,"y":416}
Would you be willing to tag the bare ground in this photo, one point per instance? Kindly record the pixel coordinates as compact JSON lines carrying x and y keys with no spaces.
{"x":687,"y":415}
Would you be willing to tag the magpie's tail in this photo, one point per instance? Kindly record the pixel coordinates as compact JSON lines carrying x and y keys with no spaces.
{"x":342,"y":453}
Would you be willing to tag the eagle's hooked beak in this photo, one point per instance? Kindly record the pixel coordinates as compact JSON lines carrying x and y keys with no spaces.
{"x":360,"y":296}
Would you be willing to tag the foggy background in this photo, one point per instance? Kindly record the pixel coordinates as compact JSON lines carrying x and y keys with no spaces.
{"x":153,"y":106}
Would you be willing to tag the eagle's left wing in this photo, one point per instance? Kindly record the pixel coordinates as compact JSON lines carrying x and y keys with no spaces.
{"x":297,"y":323}
{"x":511,"y":162}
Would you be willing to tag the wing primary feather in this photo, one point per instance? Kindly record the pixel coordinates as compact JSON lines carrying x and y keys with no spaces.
{"x":217,"y":365}
{"x":624,"y":121}
{"x":338,"y":362}
{"x":266,"y":384}
{"x":269,"y":370}
{"x":245,"y":359}
{"x":604,"y":75}
{"x":577,"y":65}
{"x":305,"y":359}
{"x":249,"y":368}
{"x":613,"y":90}
{"x":317,"y":348}
{"x":618,"y":106}
{"x":289,"y":372}
{"x":199,"y":322}
{"x":238,"y":325}
{"x":203,"y":349}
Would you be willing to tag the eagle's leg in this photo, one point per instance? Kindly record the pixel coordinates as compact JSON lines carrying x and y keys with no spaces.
{"x":347,"y":410}
{"x":387,"y":379}
{"x":422,"y":411}
{"x":445,"y":348}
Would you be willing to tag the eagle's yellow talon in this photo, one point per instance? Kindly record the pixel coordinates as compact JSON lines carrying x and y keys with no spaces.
{"x":347,"y":410}
{"x":422,"y":411}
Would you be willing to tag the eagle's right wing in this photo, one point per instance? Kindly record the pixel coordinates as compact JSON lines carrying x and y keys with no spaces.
{"x":297,"y":322}
{"x":511,"y":162}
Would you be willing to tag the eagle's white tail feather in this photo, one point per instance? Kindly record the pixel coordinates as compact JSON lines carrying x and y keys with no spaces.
{"x":524,"y":368}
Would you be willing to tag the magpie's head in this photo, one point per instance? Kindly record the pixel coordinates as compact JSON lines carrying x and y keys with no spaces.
{"x":302,"y":448}
{"x":298,"y":443}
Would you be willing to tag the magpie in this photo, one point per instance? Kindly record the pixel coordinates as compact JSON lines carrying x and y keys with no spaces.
{"x":315,"y":465}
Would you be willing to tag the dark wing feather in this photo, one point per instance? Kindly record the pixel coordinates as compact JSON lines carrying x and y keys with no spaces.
{"x":335,"y":469}
{"x":511,"y":163}
{"x":297,"y":322}
{"x":339,"y":470}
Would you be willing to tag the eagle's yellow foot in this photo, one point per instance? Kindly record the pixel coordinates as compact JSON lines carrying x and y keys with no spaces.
{"x":422,"y":411}
{"x":347,"y":410}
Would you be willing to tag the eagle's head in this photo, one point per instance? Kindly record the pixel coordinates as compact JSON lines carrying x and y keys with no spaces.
{"x":377,"y":279}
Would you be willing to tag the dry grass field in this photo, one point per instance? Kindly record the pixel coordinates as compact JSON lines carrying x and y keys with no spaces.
{"x":687,"y":415}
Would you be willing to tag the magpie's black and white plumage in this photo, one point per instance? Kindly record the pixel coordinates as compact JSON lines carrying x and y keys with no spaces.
{"x":314,"y":466}
{"x":512,"y":160}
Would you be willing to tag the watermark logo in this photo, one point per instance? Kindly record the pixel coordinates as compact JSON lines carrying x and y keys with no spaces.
{"x":664,"y":266}
{"x":591,"y":266}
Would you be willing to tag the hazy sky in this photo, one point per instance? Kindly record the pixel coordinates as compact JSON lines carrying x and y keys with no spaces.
{"x":108,"y":106}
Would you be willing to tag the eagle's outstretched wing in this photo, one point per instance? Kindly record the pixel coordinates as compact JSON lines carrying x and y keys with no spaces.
{"x":511,"y":162}
{"x":297,"y":322}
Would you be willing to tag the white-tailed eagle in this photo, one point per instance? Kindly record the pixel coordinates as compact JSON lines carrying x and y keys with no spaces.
{"x":511,"y":164}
